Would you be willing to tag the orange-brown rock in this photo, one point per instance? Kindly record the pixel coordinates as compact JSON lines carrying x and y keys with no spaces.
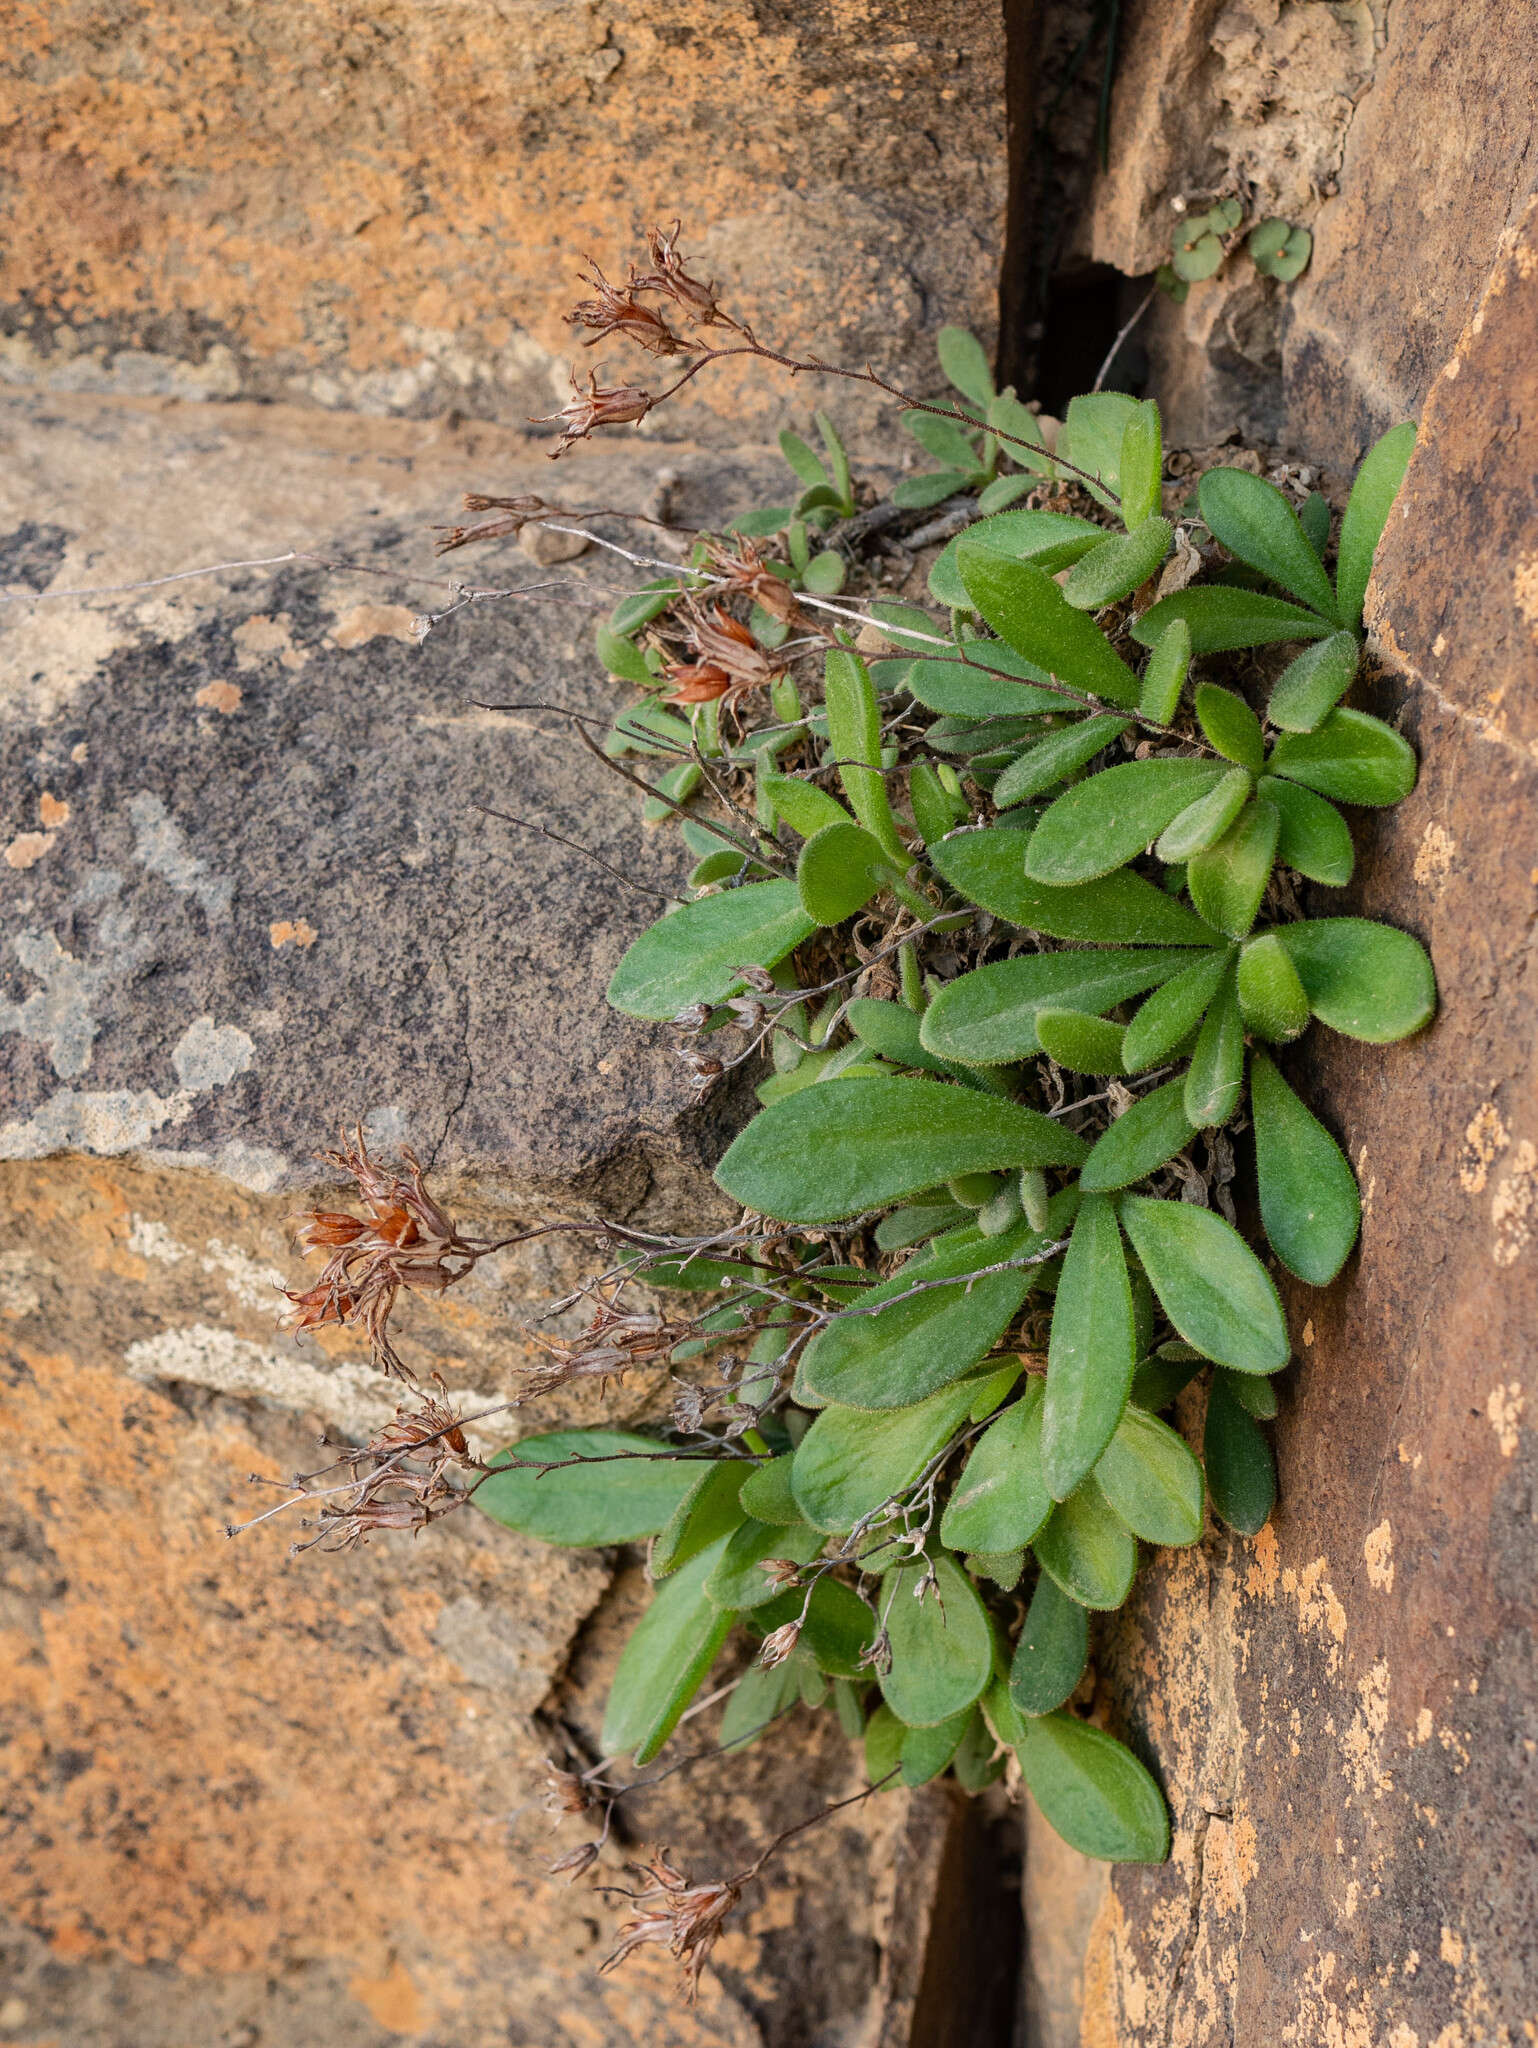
{"x":1345,"y":1710}
{"x":381,"y":207}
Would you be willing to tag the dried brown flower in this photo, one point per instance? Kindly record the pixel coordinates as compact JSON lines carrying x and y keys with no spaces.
{"x":406,"y":1240}
{"x":779,"y":1645}
{"x":575,"y":1862}
{"x":599,"y":406}
{"x":612,"y":1343}
{"x":513,"y":514}
{"x":668,"y":276}
{"x":683,"y":1917}
{"x":616,"y":309}
{"x":566,"y":1793}
{"x":730,"y":663}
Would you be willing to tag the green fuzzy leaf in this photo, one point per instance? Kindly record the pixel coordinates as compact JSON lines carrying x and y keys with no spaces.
{"x":1093,"y":1792}
{"x":1216,"y":1073}
{"x":840,"y":869}
{"x":1092,"y":1352}
{"x":988,"y":1017}
{"x":942,"y":1646}
{"x":1209,"y":1283}
{"x":1272,"y":1000}
{"x":922,"y":493}
{"x":1142,"y":1139}
{"x":1256,"y":523}
{"x":696,"y":954}
{"x":804,"y":807}
{"x":1352,"y":757}
{"x":1364,"y":979}
{"x":1308,"y":1195}
{"x":854,"y":733}
{"x":631,"y":1494}
{"x":901,"y":1228}
{"x":1081,"y":1043}
{"x":1004,"y":491}
{"x":1052,"y":1651}
{"x":1314,"y":838}
{"x":824,"y":573}
{"x":1231,"y":726}
{"x":838,"y":461}
{"x":1152,"y":1480}
{"x":965,"y":363}
{"x":1087,"y":1550}
{"x":1052,"y":540}
{"x":739,"y":1580}
{"x":1314,"y":518}
{"x":802,"y":460}
{"x":708,"y":1511}
{"x":935,"y":810}
{"x":1093,"y":431}
{"x":1025,"y":608}
{"x":948,"y":441}
{"x":1241,"y":1471}
{"x":1158,"y":1380}
{"x":1059,"y":754}
{"x":644,"y":605}
{"x":830,"y":1152}
{"x":649,"y":729}
{"x":760,"y":1699}
{"x":1118,"y":910}
{"x":968,"y":689}
{"x":927,"y":1751}
{"x":622,"y":658}
{"x":975,"y":1763}
{"x":1118,"y":565}
{"x":716,"y":867}
{"x":1164,"y":677}
{"x":766,"y":1493}
{"x":1372,"y":495}
{"x":1172,"y":1014}
{"x":892,"y":1030}
{"x":665,"y":1662}
{"x":838,"y":1628}
{"x":1101,"y":824}
{"x":1227,"y":881}
{"x":852,"y":1460}
{"x":1256,"y":1396}
{"x":1001,"y":1499}
{"x":1221,"y":618}
{"x":1202,"y":823}
{"x":1310,"y":687}
{"x":904,"y":1353}
{"x":884,"y":1738}
{"x":1142,"y":466}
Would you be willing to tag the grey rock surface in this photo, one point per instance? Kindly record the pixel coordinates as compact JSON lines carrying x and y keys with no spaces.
{"x":250,"y":884}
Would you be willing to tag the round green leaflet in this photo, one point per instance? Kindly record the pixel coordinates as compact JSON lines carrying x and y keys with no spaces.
{"x":1308,"y":1195}
{"x":1001,"y":1498}
{"x":1152,"y":1480}
{"x":1052,"y":1651}
{"x":942,"y":1645}
{"x":832,"y":1151}
{"x":629,"y":1489}
{"x":696,"y":954}
{"x":1365,"y":980}
{"x":665,"y":1661}
{"x":1087,"y":1549}
{"x":1241,"y":1472}
{"x":1092,"y":1351}
{"x":1093,"y":1791}
{"x":1209,"y":1283}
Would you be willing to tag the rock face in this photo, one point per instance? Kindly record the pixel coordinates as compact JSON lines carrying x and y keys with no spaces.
{"x":1402,"y":136}
{"x":381,"y":208}
{"x":249,"y":892}
{"x":1345,"y":1711}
